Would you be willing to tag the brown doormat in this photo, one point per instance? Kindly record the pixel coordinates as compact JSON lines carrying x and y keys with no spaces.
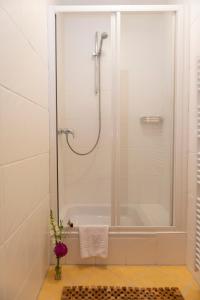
{"x":120,"y":293}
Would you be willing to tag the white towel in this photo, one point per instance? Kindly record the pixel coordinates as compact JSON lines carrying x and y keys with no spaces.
{"x":93,"y":241}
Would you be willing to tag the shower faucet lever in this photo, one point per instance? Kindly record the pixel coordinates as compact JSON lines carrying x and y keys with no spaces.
{"x":66,"y":131}
{"x":95,"y":54}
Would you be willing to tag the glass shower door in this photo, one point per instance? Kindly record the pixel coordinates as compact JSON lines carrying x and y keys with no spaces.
{"x":147,"y":47}
{"x":128,"y":179}
{"x":85,"y":182}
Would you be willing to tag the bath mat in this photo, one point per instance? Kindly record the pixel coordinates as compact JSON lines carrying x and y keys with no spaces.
{"x":120,"y":293}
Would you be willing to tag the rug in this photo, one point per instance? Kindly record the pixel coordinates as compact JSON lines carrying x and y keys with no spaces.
{"x":119,"y":293}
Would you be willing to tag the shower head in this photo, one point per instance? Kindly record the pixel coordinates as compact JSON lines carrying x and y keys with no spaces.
{"x":104,"y":35}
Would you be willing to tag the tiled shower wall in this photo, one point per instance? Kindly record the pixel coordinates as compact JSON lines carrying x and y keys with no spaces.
{"x":24,"y":148}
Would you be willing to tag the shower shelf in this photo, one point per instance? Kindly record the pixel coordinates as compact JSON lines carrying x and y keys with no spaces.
{"x":151,"y":119}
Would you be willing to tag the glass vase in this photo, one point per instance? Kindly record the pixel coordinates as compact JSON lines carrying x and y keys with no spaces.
{"x":58,"y":270}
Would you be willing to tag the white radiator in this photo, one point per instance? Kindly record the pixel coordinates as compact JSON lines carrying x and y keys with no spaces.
{"x":197,"y":246}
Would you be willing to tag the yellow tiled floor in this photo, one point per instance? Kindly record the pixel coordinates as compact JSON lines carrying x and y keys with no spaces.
{"x":139,"y":276}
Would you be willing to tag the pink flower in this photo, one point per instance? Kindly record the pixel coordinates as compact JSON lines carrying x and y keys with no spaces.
{"x":60,"y":249}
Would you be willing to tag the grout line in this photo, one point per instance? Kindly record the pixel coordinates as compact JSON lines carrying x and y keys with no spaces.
{"x":22,"y":96}
{"x":27,"y":279}
{"x":39,"y":205}
{"x":24,"y":36}
{"x":24,"y":159}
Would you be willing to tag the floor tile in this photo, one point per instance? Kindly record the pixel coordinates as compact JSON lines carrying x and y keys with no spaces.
{"x":140,"y":276}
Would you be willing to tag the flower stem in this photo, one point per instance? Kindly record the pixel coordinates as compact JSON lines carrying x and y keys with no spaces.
{"x":58,"y":262}
{"x":53,"y":225}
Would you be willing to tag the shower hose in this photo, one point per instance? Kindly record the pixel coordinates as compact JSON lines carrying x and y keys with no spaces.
{"x":99,"y":117}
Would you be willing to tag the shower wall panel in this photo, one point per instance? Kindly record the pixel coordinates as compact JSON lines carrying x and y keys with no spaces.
{"x":147,"y":90}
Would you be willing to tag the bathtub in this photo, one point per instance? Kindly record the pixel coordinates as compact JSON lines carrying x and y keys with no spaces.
{"x":132,"y":215}
{"x":137,"y":243}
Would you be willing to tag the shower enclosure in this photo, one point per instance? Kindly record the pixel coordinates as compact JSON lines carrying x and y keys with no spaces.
{"x":118,"y":134}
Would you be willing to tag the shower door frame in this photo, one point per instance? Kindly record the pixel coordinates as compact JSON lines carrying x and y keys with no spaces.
{"x":180,"y":99}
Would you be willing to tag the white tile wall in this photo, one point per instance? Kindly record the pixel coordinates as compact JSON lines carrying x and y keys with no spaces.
{"x":24,"y":14}
{"x":2,"y":273}
{"x":23,"y":63}
{"x":24,"y":148}
{"x":16,"y":249}
{"x":1,"y":207}
{"x":26,"y":185}
{"x":21,"y":137}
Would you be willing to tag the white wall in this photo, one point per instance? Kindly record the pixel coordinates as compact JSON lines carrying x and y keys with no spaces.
{"x":24,"y":148}
{"x":194,"y":54}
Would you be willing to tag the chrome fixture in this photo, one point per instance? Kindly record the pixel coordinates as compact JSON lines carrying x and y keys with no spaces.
{"x":65,"y":131}
{"x":98,"y":49}
{"x":70,"y":223}
{"x":97,"y":56}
